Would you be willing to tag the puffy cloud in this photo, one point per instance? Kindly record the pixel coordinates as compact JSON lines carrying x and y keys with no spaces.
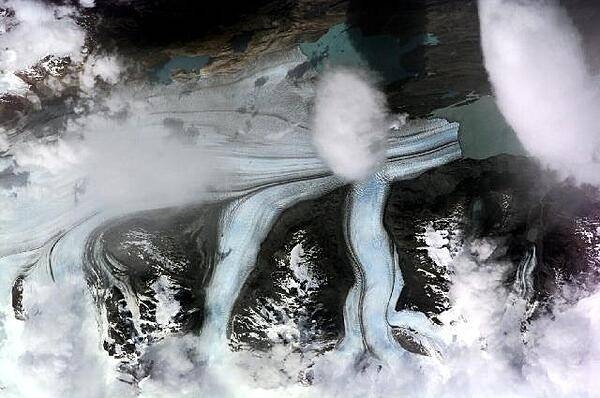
{"x":56,"y":352}
{"x":536,"y":64}
{"x":349,"y":123}
{"x":105,"y":68}
{"x":38,"y":30}
{"x":487,"y":353}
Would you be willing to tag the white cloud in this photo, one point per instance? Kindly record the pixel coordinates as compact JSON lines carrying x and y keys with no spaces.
{"x":35,"y":31}
{"x":54,"y":157}
{"x":122,"y":160}
{"x":87,"y":3}
{"x":564,"y":352}
{"x":487,"y":354}
{"x":11,"y":84}
{"x":40,"y":30}
{"x":56,"y":352}
{"x":349,"y":123}
{"x":167,"y":305}
{"x":126,"y":160}
{"x":3,"y":141}
{"x":105,"y":68}
{"x":536,"y":64}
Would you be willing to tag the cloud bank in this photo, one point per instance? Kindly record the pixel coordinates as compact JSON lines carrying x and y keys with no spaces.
{"x":125,"y":161}
{"x":117,"y":160}
{"x":37,"y":30}
{"x":349,"y":124}
{"x":487,"y":353}
{"x":536,"y":64}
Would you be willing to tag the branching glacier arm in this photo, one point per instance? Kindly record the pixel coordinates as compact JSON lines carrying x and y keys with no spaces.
{"x":245,"y":223}
{"x":379,"y":280}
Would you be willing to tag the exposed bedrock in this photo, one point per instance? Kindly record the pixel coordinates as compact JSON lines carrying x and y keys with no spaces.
{"x":147,"y":272}
{"x":377,"y":274}
{"x":509,"y":198}
{"x":314,"y":280}
{"x":496,"y":198}
{"x":243,"y":225}
{"x":246,"y":221}
{"x":295,"y":294}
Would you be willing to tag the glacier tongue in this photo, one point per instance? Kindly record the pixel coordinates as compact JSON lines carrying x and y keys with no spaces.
{"x":255,"y":139}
